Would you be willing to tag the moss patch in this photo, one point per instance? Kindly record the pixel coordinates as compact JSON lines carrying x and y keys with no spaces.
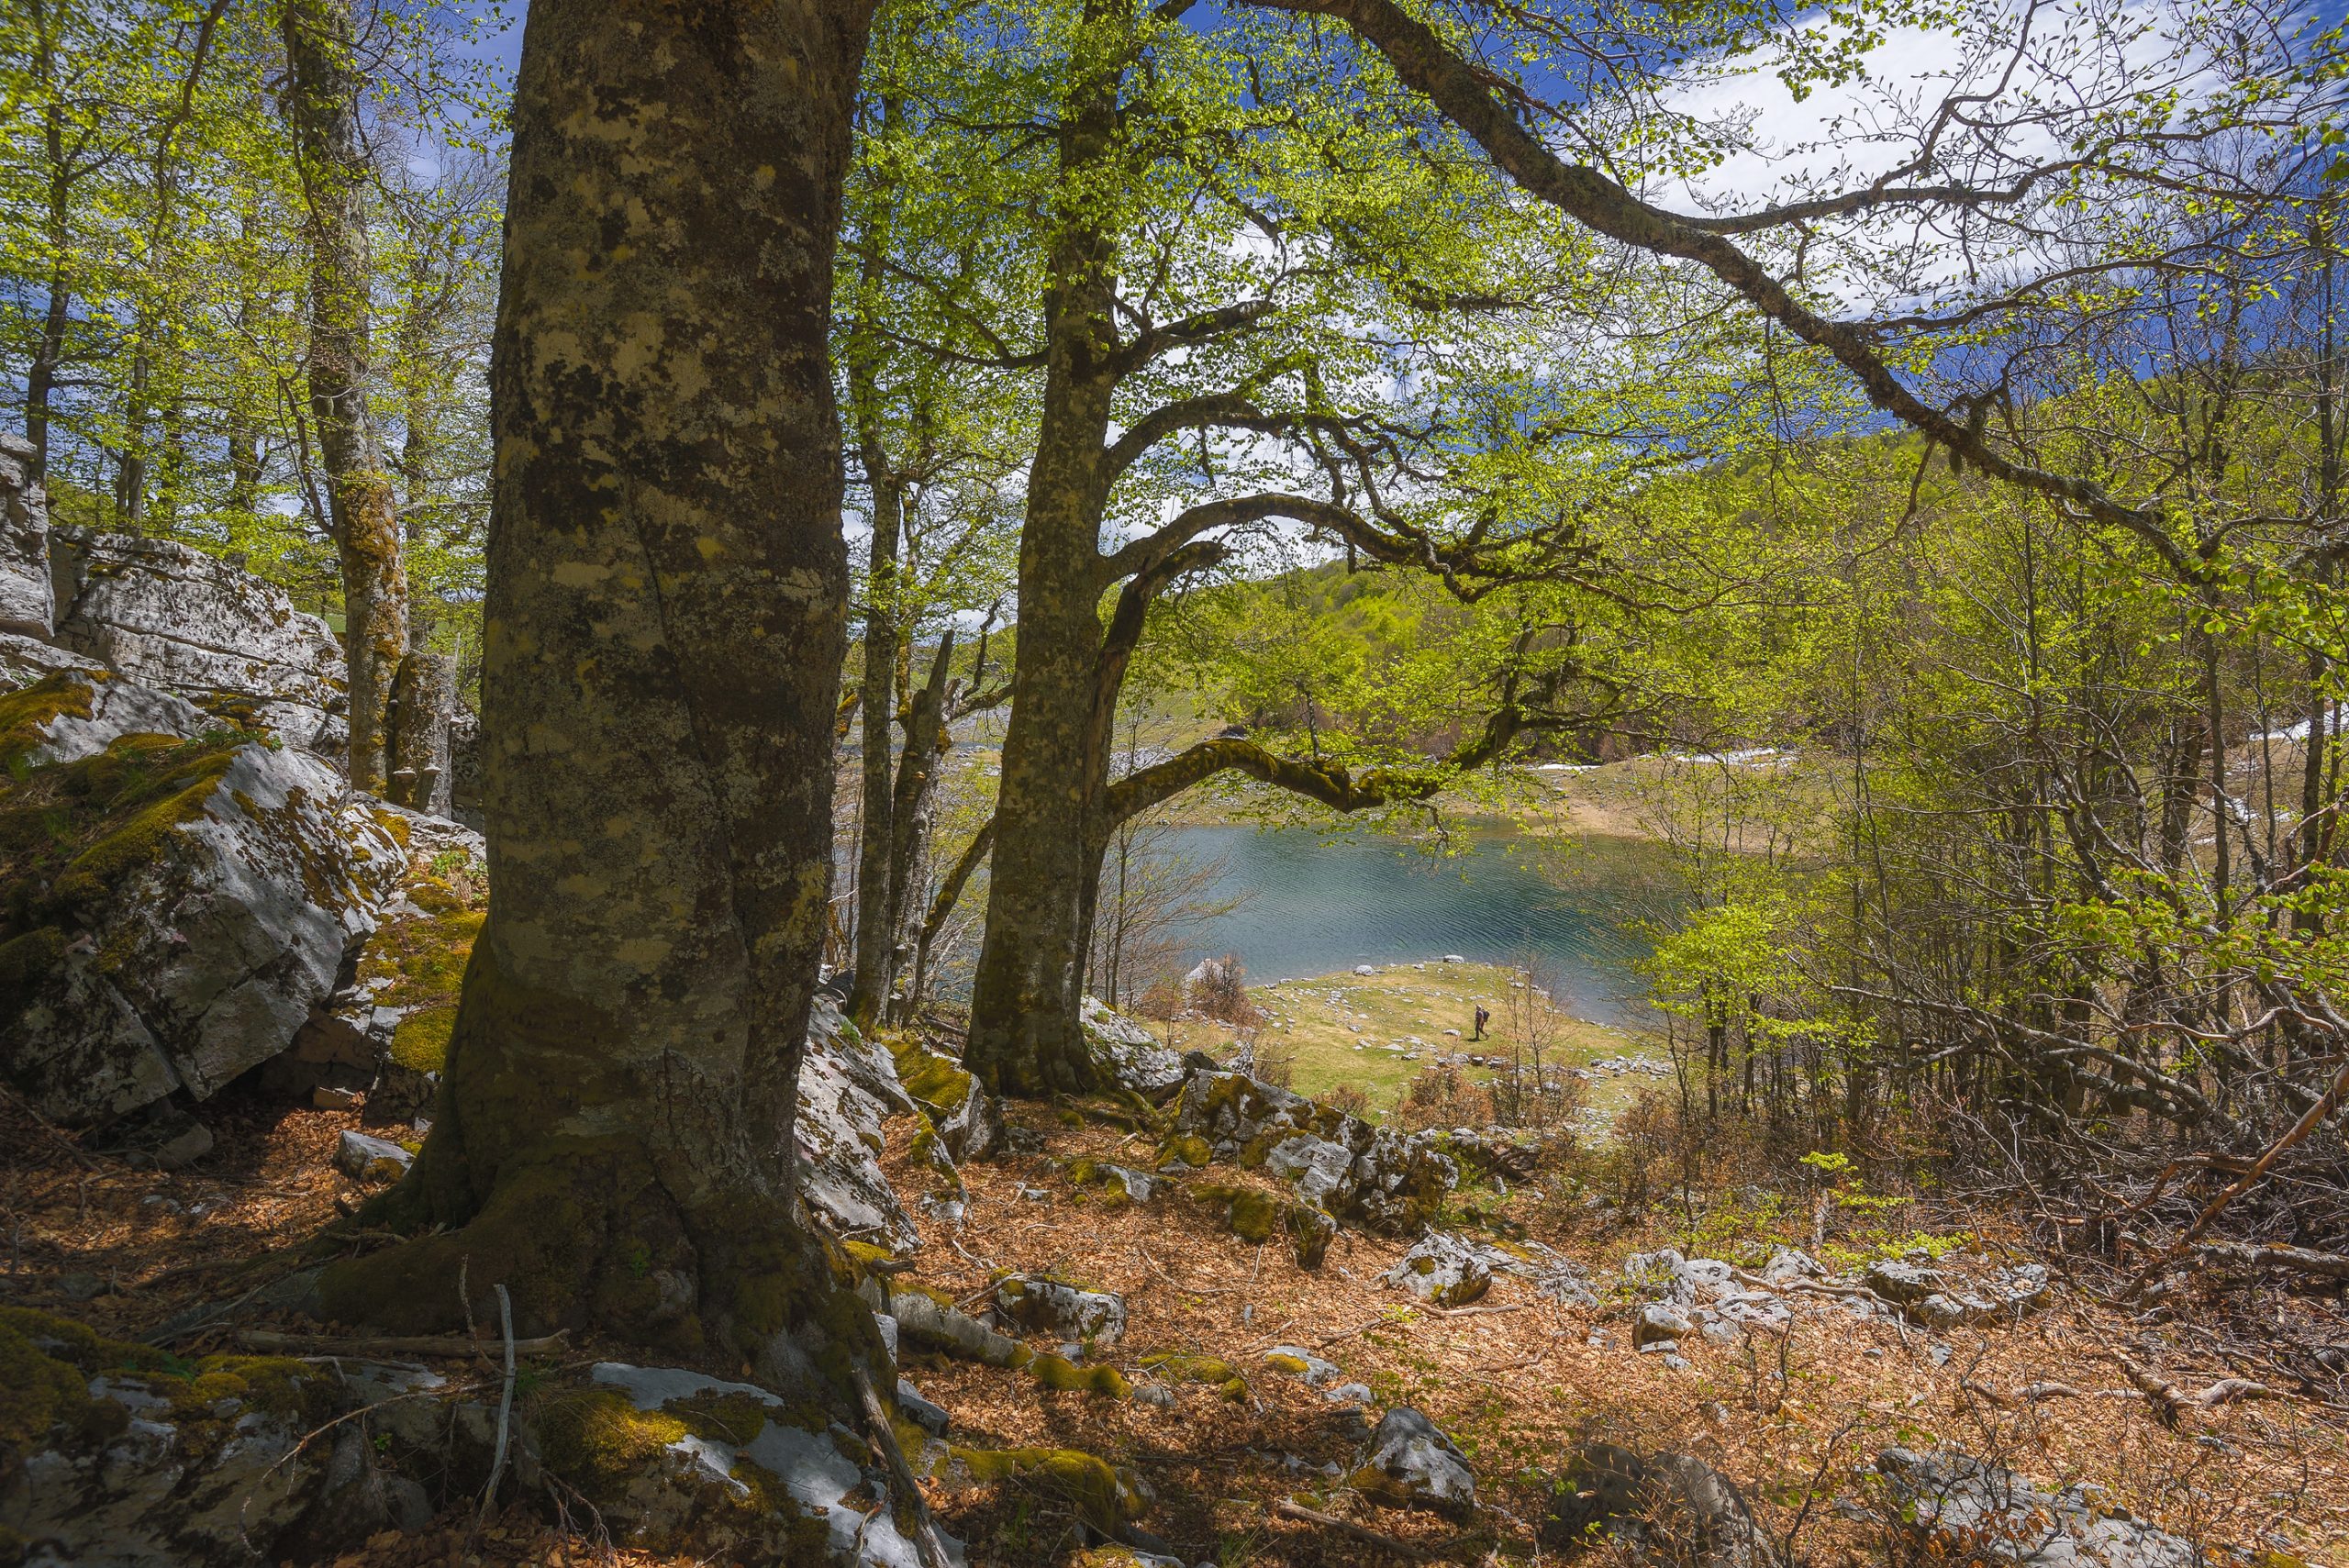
{"x":1063,"y":1375}
{"x":1185,"y":1148}
{"x":1102,"y":1495}
{"x":1221,"y":1375}
{"x":73,"y":834}
{"x":417,"y":962}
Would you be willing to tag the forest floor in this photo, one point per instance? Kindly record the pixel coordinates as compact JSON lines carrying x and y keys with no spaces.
{"x":1518,"y":1380}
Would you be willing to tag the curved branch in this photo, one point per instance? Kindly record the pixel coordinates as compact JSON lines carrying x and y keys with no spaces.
{"x":1428,"y":65}
{"x":1332,"y":784}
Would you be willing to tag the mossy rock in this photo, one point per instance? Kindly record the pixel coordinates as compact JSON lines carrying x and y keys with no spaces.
{"x":1064,"y":1376}
{"x":1222,"y":1375}
{"x":1104,"y":1496}
{"x":1187,"y":1149}
{"x":1257,"y":1217}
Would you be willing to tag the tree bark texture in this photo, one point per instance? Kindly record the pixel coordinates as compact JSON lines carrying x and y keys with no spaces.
{"x":664,"y":631}
{"x":322,"y":101}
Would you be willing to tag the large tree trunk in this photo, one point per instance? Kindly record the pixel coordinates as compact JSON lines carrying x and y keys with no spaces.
{"x":363,"y":511}
{"x":666,"y":622}
{"x":1025,"y":994}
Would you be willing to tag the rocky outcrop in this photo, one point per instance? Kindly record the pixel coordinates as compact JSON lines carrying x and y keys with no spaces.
{"x":848,"y":1087}
{"x":1668,"y":1509}
{"x":1390,"y":1182}
{"x":172,"y":617}
{"x":1442,"y":1271}
{"x":681,"y":1462}
{"x":1964,"y":1509}
{"x":117,"y":1453}
{"x":28,"y":603}
{"x":183,"y":910}
{"x":70,"y":711}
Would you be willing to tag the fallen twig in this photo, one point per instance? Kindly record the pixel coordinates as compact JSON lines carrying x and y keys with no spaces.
{"x":1303,"y":1514}
{"x":505,"y":1401}
{"x":2278,"y":1255}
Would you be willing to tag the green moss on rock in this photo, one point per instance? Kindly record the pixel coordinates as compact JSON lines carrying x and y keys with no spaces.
{"x":1103,"y":1496}
{"x":1063,"y":1375}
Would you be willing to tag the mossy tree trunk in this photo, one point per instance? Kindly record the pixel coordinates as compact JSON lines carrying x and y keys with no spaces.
{"x":362,"y":509}
{"x":664,"y":631}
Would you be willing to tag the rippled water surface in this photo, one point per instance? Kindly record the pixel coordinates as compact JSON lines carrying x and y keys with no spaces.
{"x":1313,"y":907}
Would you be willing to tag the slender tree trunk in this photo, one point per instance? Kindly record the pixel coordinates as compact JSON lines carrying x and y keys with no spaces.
{"x":666,"y":622}
{"x":49,"y":356}
{"x":362,"y":509}
{"x":877,"y":703}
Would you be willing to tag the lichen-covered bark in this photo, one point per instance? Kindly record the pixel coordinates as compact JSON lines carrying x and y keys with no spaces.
{"x":363,"y":511}
{"x":664,"y":630}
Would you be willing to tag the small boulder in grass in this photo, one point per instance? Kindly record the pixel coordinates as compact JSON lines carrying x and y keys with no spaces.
{"x":367,"y":1159}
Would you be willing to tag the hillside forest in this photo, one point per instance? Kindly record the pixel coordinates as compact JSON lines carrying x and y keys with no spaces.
{"x":623,"y":602}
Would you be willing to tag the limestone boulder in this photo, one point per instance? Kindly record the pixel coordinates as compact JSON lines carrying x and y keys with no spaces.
{"x":1044,"y":1303}
{"x":676,"y":1460}
{"x":115,"y":1454}
{"x":1442,"y":1271}
{"x":24,"y":659}
{"x":1410,"y":1463}
{"x":848,"y":1088}
{"x":183,"y":910}
{"x":1391,"y":1182}
{"x":1962,"y":1509}
{"x":1129,"y":1057}
{"x":1665,"y":1508}
{"x":28,"y":603}
{"x":169,"y":617}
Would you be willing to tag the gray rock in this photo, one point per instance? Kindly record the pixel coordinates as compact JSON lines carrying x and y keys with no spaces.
{"x":936,"y":1326}
{"x":1901,"y":1283}
{"x":691,"y":1489}
{"x":208,"y":950}
{"x":1408,"y":1462}
{"x":1139,"y":1185}
{"x":1314,"y":1166}
{"x":1968,"y":1509}
{"x":24,"y":660}
{"x":1299,"y":1362}
{"x":848,"y":1087}
{"x":1788,"y":1265}
{"x":367,"y":1159}
{"x":1045,"y":1304}
{"x":91,"y":710}
{"x":28,"y":605}
{"x":1348,"y":1394}
{"x":1443,"y":1271}
{"x":1668,"y":1509}
{"x":929,"y":1418}
{"x":1660,"y":1322}
{"x":152,"y":1486}
{"x":1392,"y":1181}
{"x":170,"y":617}
{"x":1129,"y":1057}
